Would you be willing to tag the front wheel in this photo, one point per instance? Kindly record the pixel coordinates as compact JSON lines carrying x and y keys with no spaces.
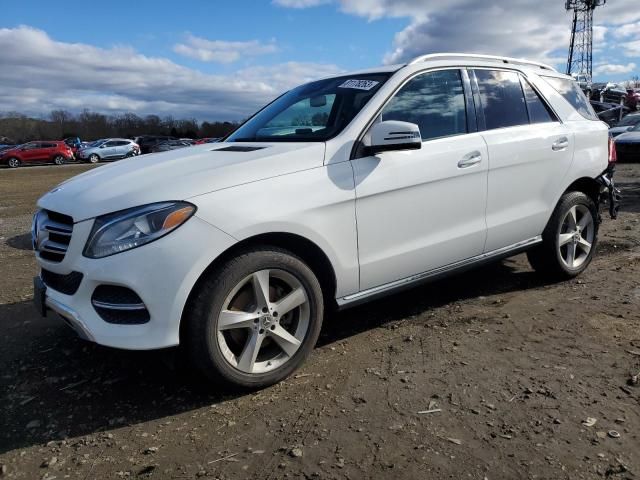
{"x":94,"y":158}
{"x":58,"y":160}
{"x":13,"y":162}
{"x":569,"y":239}
{"x":254,"y":321}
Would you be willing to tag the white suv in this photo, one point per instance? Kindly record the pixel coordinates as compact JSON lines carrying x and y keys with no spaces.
{"x":337,"y":192}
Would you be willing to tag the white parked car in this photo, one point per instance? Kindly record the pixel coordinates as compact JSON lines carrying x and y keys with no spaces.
{"x":337,"y":192}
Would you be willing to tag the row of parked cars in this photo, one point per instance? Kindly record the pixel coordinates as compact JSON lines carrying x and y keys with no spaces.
{"x":106,"y":149}
{"x":627,"y":137}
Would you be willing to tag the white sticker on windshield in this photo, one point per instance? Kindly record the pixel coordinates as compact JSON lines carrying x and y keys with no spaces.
{"x":359,"y":84}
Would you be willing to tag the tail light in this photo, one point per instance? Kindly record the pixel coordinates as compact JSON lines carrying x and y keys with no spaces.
{"x":613,"y":156}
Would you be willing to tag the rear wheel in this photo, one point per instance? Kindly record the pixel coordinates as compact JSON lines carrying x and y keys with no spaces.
{"x":254,"y":320}
{"x":570,"y":238}
{"x":59,"y":160}
{"x":13,"y":162}
{"x":94,"y":158}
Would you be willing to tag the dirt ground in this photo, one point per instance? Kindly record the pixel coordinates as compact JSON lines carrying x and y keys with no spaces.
{"x":512,"y":368}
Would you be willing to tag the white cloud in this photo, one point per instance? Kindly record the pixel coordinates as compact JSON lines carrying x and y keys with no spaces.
{"x":522,"y":28}
{"x":300,"y":3}
{"x":39,"y":74}
{"x":221,"y":51}
{"x":614,"y":69}
{"x":632,"y":49}
{"x":628,"y":30}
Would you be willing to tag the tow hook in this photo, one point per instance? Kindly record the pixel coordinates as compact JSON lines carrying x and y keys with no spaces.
{"x":613,"y":193}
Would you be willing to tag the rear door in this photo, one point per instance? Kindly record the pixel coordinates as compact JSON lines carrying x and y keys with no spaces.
{"x":122,"y":148}
{"x":530,"y":151}
{"x":418,"y":210}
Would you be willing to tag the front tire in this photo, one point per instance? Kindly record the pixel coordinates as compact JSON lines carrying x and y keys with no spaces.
{"x":570,"y":238}
{"x":254,"y":320}
{"x":94,"y":158}
{"x":13,"y":162}
{"x":59,"y":160}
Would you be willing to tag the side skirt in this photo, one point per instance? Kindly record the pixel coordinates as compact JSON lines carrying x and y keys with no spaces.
{"x":436,"y":274}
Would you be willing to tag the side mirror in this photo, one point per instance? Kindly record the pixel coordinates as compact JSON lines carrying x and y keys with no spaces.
{"x":394,"y":135}
{"x":101,"y":146}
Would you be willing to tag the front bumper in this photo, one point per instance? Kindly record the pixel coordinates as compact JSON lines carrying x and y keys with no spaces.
{"x":161,"y":273}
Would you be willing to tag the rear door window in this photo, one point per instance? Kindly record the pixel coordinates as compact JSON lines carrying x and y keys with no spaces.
{"x":571,"y":92}
{"x":539,"y":112}
{"x":502,"y":99}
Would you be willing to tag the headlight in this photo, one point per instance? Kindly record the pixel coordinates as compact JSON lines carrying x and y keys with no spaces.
{"x":127,"y":229}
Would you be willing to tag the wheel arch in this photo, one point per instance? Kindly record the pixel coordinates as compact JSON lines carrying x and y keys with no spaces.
{"x":587,"y":185}
{"x":300,"y":246}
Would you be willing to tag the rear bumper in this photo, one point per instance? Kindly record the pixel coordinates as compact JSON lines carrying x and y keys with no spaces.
{"x":609,"y":194}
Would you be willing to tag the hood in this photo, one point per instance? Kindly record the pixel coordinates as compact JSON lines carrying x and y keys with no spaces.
{"x":177,"y":175}
{"x":628,"y":137}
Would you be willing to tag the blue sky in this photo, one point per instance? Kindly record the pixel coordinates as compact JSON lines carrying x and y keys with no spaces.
{"x":320,"y":34}
{"x":222,"y":60}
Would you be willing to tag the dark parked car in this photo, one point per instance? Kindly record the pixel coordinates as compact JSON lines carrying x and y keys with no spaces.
{"x":624,"y":125}
{"x":609,"y":112}
{"x":628,"y":145}
{"x":171,"y":145}
{"x":37,"y":152}
{"x":146,"y":142}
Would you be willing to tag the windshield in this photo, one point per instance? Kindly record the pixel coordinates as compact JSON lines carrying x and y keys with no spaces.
{"x":313,"y":112}
{"x":636,"y":128}
{"x":97,"y":143}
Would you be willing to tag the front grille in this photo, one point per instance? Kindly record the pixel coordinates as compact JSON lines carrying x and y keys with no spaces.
{"x":67,"y":284}
{"x":119,"y":305}
{"x":52,"y":235}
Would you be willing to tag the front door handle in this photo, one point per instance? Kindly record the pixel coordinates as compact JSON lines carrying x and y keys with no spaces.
{"x":560,"y":144}
{"x":470,"y":160}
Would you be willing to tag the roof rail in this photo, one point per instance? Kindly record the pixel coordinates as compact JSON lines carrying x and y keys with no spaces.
{"x":477,"y":57}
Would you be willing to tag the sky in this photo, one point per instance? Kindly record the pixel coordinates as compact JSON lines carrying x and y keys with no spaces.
{"x":221,"y":60}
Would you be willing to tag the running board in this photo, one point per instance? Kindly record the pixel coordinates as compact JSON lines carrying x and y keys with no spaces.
{"x":404,"y":283}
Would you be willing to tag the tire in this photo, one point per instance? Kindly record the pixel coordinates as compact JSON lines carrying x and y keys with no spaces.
{"x":219,"y":345}
{"x":59,"y":160}
{"x":13,"y":162}
{"x":130,"y":154}
{"x":569,"y":240}
{"x":94,"y":158}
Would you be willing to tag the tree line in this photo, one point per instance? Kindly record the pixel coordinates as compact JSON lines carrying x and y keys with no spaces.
{"x":19,"y":128}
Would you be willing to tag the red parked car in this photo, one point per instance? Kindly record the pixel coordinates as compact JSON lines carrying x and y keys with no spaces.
{"x":37,"y":152}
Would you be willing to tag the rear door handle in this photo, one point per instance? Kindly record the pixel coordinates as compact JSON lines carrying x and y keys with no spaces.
{"x":560,"y":144}
{"x":470,"y":160}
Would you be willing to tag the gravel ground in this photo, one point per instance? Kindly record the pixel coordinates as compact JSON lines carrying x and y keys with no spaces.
{"x":523,"y":379}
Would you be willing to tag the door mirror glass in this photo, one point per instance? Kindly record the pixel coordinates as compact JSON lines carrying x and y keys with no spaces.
{"x":393,"y":135}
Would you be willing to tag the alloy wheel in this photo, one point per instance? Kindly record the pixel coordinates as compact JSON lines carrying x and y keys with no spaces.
{"x":576,"y":236}
{"x":14,"y":162}
{"x":264,"y":321}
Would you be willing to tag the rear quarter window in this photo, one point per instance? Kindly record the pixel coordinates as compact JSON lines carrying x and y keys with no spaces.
{"x":571,"y":92}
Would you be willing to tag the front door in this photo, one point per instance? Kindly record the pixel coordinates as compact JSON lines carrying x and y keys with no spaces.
{"x":422,"y":209}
